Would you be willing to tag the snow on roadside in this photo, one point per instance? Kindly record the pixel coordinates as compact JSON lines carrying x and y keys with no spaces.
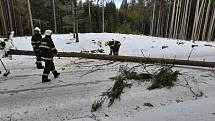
{"x":197,"y":110}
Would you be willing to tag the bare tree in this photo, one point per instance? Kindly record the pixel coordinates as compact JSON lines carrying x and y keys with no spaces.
{"x":153,"y":19}
{"x":2,"y":18}
{"x":212,"y":26}
{"x":30,"y":16}
{"x":76,"y":20}
{"x":206,"y":21}
{"x":9,"y":14}
{"x":73,"y":14}
{"x":54,"y":14}
{"x":172,"y":20}
{"x":89,"y":12}
{"x":196,"y":20}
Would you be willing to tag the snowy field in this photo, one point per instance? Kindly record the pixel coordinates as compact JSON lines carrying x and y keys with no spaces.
{"x":133,"y":45}
{"x":69,"y":98}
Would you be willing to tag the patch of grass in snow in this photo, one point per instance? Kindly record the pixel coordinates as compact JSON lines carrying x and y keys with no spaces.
{"x":127,"y":73}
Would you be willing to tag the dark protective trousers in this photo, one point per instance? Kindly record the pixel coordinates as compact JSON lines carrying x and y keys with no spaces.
{"x":38,"y":58}
{"x":49,"y":66}
{"x":114,"y":50}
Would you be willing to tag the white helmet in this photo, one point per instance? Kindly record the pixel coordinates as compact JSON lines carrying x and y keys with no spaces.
{"x":37,"y":29}
{"x":48,"y":32}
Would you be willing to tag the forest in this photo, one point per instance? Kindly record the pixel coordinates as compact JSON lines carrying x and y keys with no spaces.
{"x":179,"y":19}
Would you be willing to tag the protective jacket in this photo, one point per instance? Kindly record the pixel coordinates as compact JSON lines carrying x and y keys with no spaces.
{"x":47,"y":48}
{"x":35,"y":41}
{"x":114,"y":44}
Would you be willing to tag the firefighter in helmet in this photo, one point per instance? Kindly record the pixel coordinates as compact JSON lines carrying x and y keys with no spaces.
{"x":48,"y":51}
{"x":35,"y":42}
{"x":114,"y":46}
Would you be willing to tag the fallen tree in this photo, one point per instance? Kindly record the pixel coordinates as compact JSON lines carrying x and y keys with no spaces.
{"x":125,"y":58}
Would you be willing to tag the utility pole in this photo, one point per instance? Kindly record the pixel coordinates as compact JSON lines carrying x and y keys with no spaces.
{"x":30,"y":15}
{"x":55,"y":22}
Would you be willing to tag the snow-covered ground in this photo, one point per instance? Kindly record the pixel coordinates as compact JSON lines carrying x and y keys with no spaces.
{"x":134,"y":45}
{"x":69,"y":98}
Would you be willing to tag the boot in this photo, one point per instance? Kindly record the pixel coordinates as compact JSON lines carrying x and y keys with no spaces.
{"x":39,"y":66}
{"x":45,"y":79}
{"x":56,"y":74}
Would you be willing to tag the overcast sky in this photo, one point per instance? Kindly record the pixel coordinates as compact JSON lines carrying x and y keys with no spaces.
{"x":118,"y":3}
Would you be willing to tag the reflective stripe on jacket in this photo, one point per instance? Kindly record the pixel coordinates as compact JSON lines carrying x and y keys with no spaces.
{"x":114,"y":44}
{"x":47,"y":48}
{"x":35,"y":41}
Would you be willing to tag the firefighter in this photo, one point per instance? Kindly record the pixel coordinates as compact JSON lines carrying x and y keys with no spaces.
{"x":48,"y":50}
{"x":35,"y":42}
{"x":114,"y":46}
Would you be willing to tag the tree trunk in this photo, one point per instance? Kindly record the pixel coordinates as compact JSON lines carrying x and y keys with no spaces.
{"x":168,"y":20}
{"x":73,"y":14}
{"x":188,"y":18}
{"x":103,"y":17}
{"x":175,"y":33}
{"x":196,"y":19}
{"x":172,"y":20}
{"x":4,"y":28}
{"x":158,"y":33}
{"x":54,"y":15}
{"x":90,"y":19}
{"x":125,"y":58}
{"x":30,"y":16}
{"x":153,"y":18}
{"x":9,"y":14}
{"x":76,"y":21}
{"x":210,"y":34}
{"x":201,"y":15}
{"x":206,"y":21}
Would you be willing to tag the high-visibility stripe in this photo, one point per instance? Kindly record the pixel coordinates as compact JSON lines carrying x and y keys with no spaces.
{"x":53,"y":48}
{"x":44,"y":43}
{"x":46,"y":58}
{"x":33,"y":42}
{"x":33,"y":46}
{"x":45,"y":75}
{"x":43,"y":46}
